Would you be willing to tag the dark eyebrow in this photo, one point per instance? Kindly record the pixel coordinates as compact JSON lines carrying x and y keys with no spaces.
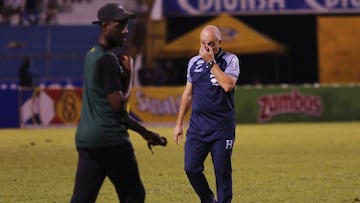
{"x":208,"y":43}
{"x":121,"y":24}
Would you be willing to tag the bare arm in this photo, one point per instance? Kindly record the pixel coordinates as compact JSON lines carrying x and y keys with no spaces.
{"x":137,"y":127}
{"x":227,"y":82}
{"x":185,"y":104}
{"x":116,"y":100}
{"x":117,"y":103}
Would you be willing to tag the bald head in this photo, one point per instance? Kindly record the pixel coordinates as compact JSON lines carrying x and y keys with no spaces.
{"x":210,"y":31}
{"x":210,"y":38}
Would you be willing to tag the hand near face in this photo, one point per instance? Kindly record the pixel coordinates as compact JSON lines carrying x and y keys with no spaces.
{"x":206,"y":53}
{"x":126,"y":62}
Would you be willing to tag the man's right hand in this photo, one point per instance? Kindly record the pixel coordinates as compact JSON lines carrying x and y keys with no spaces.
{"x":178,"y":134}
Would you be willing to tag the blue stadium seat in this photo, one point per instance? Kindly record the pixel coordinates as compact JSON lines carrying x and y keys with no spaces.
{"x":57,"y":51}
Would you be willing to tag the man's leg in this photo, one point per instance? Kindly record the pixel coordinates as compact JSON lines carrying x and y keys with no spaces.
{"x":122,"y":170}
{"x":221,"y":155}
{"x":88,"y":180}
{"x":195,"y":155}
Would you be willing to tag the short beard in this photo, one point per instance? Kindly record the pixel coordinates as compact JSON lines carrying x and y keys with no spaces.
{"x":112,"y":42}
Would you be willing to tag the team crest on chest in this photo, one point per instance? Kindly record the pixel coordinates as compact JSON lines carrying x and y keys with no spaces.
{"x":213,"y":80}
{"x":198,"y":67}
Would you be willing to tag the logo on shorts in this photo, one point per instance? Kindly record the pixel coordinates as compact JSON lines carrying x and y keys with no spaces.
{"x":229,"y":144}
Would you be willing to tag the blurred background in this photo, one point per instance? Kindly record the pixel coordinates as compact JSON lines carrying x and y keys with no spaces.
{"x":279,"y":42}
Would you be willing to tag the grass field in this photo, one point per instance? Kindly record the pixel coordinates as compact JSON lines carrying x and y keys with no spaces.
{"x":272,"y":163}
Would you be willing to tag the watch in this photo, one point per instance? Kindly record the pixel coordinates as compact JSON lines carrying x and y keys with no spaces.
{"x":210,"y":64}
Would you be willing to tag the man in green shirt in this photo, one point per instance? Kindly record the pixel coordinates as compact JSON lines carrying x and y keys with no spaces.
{"x":102,"y":138}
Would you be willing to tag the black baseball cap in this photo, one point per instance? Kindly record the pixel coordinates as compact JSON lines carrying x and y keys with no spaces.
{"x":113,"y":11}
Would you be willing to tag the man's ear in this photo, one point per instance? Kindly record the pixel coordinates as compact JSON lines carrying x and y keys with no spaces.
{"x":103,"y":24}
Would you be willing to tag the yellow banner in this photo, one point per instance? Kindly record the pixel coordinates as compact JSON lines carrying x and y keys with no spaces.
{"x":156,"y":104}
{"x":339,"y":52}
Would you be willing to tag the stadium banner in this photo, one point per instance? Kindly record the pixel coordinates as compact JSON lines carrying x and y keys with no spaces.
{"x":297,"y":103}
{"x":156,"y":104}
{"x":257,"y":104}
{"x":49,"y":107}
{"x":338,"y":40}
{"x":258,"y":7}
{"x":160,"y":105}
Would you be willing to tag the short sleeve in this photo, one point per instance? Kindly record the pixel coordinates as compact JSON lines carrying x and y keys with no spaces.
{"x":233,"y":67}
{"x":109,"y":74}
{"x":191,"y":63}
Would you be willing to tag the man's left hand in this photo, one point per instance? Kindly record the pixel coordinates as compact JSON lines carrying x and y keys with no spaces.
{"x":154,"y":139}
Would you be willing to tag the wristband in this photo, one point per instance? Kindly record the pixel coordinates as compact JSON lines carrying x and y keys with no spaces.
{"x":210,"y":64}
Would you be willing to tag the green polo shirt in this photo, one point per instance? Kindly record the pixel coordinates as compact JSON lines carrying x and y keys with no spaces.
{"x":100,"y":125}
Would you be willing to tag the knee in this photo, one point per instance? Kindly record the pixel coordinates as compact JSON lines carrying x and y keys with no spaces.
{"x":192,"y":171}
